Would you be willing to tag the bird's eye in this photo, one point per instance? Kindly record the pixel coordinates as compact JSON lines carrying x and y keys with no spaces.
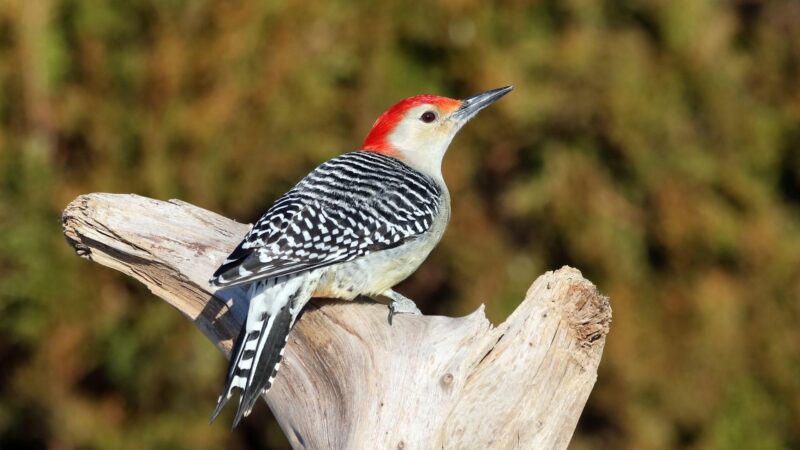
{"x":428,"y":116}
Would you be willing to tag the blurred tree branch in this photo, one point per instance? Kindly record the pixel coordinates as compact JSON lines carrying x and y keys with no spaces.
{"x":349,"y":380}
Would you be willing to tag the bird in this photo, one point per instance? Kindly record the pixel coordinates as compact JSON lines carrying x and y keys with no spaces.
{"x":356,"y":225}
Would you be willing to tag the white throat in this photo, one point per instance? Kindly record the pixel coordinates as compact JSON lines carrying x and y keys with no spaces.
{"x":422,"y":149}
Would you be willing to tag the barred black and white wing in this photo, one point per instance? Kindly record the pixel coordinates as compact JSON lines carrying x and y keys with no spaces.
{"x":358,"y":203}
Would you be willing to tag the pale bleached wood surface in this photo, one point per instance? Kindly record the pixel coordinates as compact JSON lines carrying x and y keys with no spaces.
{"x":350,"y":380}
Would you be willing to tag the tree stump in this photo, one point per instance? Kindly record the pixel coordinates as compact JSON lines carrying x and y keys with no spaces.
{"x":350,"y":380}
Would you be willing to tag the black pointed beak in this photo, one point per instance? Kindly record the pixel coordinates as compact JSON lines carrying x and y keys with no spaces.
{"x":470,"y":106}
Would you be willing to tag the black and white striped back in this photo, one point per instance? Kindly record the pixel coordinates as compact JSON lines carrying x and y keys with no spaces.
{"x":358,"y":203}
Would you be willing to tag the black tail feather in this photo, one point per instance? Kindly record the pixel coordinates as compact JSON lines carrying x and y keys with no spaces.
{"x":235,"y":357}
{"x":271,"y":340}
{"x":266,"y":367}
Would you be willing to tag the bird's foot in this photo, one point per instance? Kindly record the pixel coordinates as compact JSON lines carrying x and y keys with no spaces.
{"x":400,"y":304}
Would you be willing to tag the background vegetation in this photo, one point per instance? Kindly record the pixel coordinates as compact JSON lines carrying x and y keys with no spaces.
{"x":652,"y":144}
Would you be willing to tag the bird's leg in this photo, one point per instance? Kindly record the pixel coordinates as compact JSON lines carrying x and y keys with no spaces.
{"x":398,"y":303}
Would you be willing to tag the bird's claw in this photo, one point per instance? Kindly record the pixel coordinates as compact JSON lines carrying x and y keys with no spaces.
{"x":402,"y":306}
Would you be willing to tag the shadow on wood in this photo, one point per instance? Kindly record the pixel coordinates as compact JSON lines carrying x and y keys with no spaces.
{"x":349,"y":380}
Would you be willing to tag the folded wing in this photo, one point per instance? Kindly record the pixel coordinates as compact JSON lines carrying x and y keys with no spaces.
{"x":350,"y":206}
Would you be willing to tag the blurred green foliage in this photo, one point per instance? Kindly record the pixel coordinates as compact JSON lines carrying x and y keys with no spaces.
{"x":652,"y":144}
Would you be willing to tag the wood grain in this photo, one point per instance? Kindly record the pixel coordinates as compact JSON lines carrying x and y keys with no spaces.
{"x":350,"y":380}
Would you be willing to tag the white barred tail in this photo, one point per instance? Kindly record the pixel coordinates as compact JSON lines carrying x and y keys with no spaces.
{"x":257,"y":352}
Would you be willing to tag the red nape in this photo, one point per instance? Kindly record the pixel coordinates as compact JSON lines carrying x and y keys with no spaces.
{"x":378,"y":138}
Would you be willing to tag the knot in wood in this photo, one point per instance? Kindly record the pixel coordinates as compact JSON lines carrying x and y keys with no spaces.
{"x":447,"y":379}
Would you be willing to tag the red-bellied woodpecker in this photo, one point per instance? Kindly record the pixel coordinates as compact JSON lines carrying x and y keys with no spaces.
{"x":356,"y":225}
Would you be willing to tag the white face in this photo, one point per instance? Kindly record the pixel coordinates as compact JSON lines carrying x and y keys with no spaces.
{"x":422,"y":137}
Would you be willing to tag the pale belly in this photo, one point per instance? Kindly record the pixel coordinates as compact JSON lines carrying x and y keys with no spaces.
{"x":378,"y":272}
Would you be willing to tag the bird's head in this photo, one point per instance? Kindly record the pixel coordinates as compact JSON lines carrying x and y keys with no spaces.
{"x":418,"y":130}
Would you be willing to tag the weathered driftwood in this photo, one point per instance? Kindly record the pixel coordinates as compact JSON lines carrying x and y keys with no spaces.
{"x":349,"y":380}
